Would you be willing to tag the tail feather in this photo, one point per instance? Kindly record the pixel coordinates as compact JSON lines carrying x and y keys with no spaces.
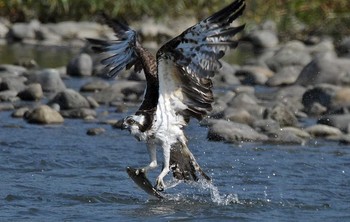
{"x":183,"y":164}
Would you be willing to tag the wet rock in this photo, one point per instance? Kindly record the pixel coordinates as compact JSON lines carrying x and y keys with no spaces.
{"x":20,"y":31}
{"x":325,"y":69}
{"x":320,"y":130}
{"x":285,"y":137}
{"x":8,"y":95}
{"x":254,"y":75}
{"x":118,"y":91}
{"x":3,"y":30}
{"x":93,"y":103}
{"x":344,"y":47}
{"x":266,"y":125}
{"x":263,"y":38}
{"x":291,"y":95}
{"x":94,"y":86}
{"x":32,"y":92}
{"x":321,"y":94}
{"x":222,"y":130}
{"x":286,"y":75}
{"x":6,"y":106}
{"x":80,"y":65}
{"x":12,"y":83}
{"x":95,"y":131}
{"x":49,"y":79}
{"x":7,"y":70}
{"x":238,"y":115}
{"x":292,"y":54}
{"x":20,"y":112}
{"x":340,"y":121}
{"x":44,"y":115}
{"x":79,"y":113}
{"x":70,"y":99}
{"x":281,"y":114}
{"x":226,"y":75}
{"x":247,"y":102}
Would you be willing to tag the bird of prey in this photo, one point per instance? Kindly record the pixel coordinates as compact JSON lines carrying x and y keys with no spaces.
{"x":178,"y":85}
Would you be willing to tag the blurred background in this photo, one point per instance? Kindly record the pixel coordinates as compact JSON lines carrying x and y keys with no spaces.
{"x":293,"y":17}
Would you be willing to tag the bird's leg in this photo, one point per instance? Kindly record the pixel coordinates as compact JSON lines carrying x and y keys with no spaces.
{"x":159,"y":182}
{"x":152,"y":150}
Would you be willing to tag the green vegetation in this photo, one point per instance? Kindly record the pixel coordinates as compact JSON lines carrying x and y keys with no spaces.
{"x":315,"y":16}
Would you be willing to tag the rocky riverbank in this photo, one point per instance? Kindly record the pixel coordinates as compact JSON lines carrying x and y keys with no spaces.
{"x":288,"y":93}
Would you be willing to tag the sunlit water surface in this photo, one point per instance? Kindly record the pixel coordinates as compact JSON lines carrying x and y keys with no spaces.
{"x":58,"y":173}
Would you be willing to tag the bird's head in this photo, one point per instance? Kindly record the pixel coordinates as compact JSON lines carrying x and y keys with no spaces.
{"x":135,"y":125}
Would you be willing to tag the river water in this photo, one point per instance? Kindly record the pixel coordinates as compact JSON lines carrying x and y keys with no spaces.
{"x":58,"y":173}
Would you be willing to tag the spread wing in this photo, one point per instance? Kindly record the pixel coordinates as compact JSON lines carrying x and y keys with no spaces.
{"x":186,"y":63}
{"x":123,"y":52}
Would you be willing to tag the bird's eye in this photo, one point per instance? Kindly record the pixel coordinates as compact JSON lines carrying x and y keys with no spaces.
{"x":130,"y":121}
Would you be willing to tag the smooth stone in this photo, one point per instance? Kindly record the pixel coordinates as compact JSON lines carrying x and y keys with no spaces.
{"x":284,"y":137}
{"x":19,"y":113}
{"x":340,"y":121}
{"x":281,"y":114}
{"x":8,"y":95}
{"x":8,"y":70}
{"x":81,"y":65}
{"x":95,"y":131}
{"x":32,"y":92}
{"x":70,"y":99}
{"x":49,"y":79}
{"x":44,"y":115}
{"x":286,"y":75}
{"x":325,"y":69}
{"x":79,"y":113}
{"x":321,"y":130}
{"x":12,"y":83}
{"x":94,"y":86}
{"x":6,"y":106}
{"x":222,"y":130}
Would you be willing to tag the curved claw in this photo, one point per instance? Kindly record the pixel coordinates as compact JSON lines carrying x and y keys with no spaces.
{"x":159,"y":185}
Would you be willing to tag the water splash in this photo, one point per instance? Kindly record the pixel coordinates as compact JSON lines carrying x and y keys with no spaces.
{"x":216,"y":197}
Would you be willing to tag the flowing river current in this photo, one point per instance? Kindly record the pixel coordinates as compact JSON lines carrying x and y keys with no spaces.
{"x":58,"y":173}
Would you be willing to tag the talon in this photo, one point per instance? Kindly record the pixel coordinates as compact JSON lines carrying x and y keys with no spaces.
{"x":159,"y":185}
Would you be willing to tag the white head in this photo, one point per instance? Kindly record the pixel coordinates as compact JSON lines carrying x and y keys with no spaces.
{"x":135,"y":125}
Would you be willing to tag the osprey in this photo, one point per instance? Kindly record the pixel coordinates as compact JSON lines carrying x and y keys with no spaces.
{"x":178,"y":85}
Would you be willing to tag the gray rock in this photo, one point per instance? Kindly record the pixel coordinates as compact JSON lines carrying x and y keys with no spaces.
{"x":238,"y":115}
{"x":20,"y":31}
{"x":340,"y":121}
{"x":281,"y":114}
{"x":286,"y":75}
{"x":95,"y":131}
{"x":285,"y":137}
{"x":263,"y":38}
{"x":118,"y":91}
{"x":80,"y":113}
{"x":20,"y":112}
{"x":7,"y":70}
{"x":8,"y":95}
{"x":70,"y":99}
{"x":49,"y":79}
{"x":249,"y":103}
{"x":80,"y":65}
{"x":94,"y":86}
{"x":32,"y":92}
{"x":254,"y":75}
{"x":344,"y":47}
{"x":292,"y":54}
{"x":93,"y":103}
{"x":266,"y":125}
{"x":222,"y":130}
{"x":3,"y":30}
{"x":12,"y":83}
{"x":6,"y":106}
{"x":322,"y":94}
{"x":44,"y":115}
{"x":320,"y":130}
{"x":226,"y":75}
{"x":325,"y":69}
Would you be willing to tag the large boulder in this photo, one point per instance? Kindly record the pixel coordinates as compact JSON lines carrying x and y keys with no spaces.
{"x":325,"y":69}
{"x":222,"y":130}
{"x":49,"y":79}
{"x":81,"y":65}
{"x":32,"y":92}
{"x":44,"y":115}
{"x":70,"y":99}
